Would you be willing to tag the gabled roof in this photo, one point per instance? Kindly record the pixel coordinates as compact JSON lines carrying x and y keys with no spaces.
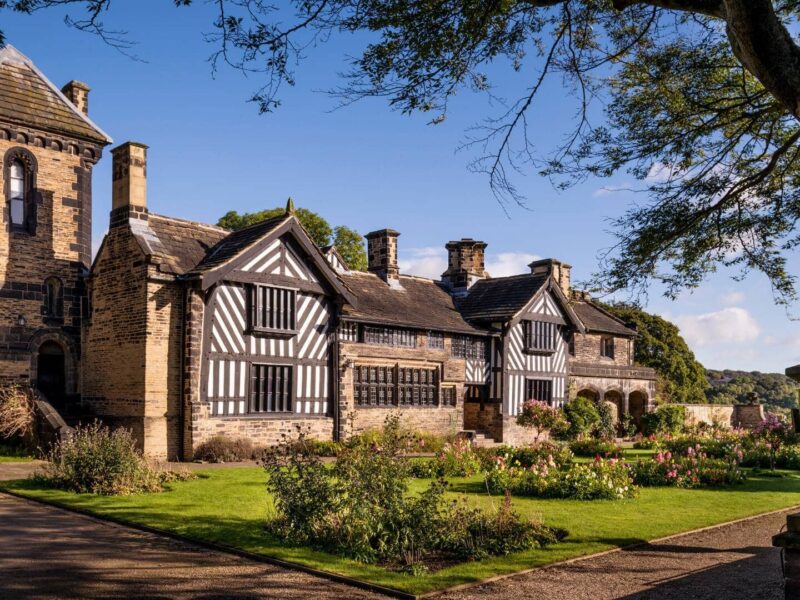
{"x":29,"y":98}
{"x":595,"y":319}
{"x":501,"y":298}
{"x":418,"y":303}
{"x":181,"y":244}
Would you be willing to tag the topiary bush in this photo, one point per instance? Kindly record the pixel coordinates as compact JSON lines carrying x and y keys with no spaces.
{"x":582,"y":417}
{"x":98,"y":460}
{"x":606,"y":428}
{"x":666,"y":419}
{"x":224,"y":449}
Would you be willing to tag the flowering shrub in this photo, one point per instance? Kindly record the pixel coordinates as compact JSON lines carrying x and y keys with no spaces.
{"x":527,"y":456}
{"x":540,"y":416}
{"x":758,"y":455}
{"x":693,"y":469}
{"x":600,"y":480}
{"x":651,"y":442}
{"x":774,"y":434}
{"x":592,"y":447}
{"x":456,"y":459}
{"x":715,"y":444}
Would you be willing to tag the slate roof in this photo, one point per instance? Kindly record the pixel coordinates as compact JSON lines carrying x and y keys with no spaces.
{"x":181,"y":244}
{"x":27,"y":97}
{"x":597,"y":319}
{"x":235,"y":243}
{"x":500,"y":298}
{"x":421,"y":303}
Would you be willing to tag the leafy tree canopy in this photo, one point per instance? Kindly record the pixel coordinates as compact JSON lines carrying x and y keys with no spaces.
{"x":701,"y":100}
{"x":775,"y":390}
{"x":347,"y":241}
{"x":681,"y":378}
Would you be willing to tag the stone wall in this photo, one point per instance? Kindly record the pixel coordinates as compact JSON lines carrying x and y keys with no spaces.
{"x":587,"y":350}
{"x":710,"y":414}
{"x":114,"y":349}
{"x":485,"y":417}
{"x":442,"y":420}
{"x":57,"y":244}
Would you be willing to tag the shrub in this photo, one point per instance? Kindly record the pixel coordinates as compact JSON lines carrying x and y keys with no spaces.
{"x":540,"y":416}
{"x":687,"y":471}
{"x":456,"y":459}
{"x":593,"y":447}
{"x":606,"y":428}
{"x":224,"y":449}
{"x":582,"y":416}
{"x":628,"y":426}
{"x":97,"y":460}
{"x":667,"y":418}
{"x":361,"y":508}
{"x":774,"y":434}
{"x":600,"y":480}
{"x":651,"y":442}
{"x":558,"y":455}
{"x":714,"y":444}
{"x":17,"y":412}
{"x":327,"y":448}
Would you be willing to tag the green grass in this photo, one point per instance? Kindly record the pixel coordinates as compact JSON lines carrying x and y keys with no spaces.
{"x":229,"y":506}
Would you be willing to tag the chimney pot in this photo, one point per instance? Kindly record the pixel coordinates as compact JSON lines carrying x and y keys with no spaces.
{"x":382,"y":255}
{"x":465,"y":264}
{"x":77,"y":92}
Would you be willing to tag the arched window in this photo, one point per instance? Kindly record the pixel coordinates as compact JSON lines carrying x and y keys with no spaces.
{"x":17,"y":192}
{"x":53,"y":297}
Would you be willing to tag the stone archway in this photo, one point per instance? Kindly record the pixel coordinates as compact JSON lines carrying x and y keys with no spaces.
{"x":590,"y":393}
{"x":637,"y":405}
{"x":614,"y":399}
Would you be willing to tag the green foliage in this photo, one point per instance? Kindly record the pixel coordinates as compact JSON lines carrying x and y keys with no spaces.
{"x":361,"y":508}
{"x":456,"y":459}
{"x":224,"y":449}
{"x":541,"y":417}
{"x":667,"y":418}
{"x":552,"y":454}
{"x":606,"y":428}
{"x":774,"y":390}
{"x":347,"y":241}
{"x":98,"y":460}
{"x":594,"y":447}
{"x":599,"y":480}
{"x":582,"y":416}
{"x":688,"y":470}
{"x":660,"y":346}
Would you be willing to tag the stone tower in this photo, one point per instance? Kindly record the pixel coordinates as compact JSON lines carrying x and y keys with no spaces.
{"x":48,"y":146}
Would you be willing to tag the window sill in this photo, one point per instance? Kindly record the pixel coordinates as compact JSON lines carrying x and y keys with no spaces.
{"x":539,"y":352}
{"x":273,"y":416}
{"x":276,"y":333}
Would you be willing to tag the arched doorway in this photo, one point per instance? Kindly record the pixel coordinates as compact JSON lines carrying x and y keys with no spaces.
{"x":637,"y":403}
{"x":51,"y":375}
{"x":589,"y":394}
{"x":614,"y":399}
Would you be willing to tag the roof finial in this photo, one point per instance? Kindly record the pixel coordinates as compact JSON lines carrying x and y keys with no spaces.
{"x":289,"y":206}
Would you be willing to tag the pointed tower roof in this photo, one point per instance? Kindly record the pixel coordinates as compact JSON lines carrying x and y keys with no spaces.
{"x":290,"y":206}
{"x":29,"y":98}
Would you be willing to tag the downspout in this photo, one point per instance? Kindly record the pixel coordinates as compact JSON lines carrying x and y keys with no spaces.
{"x":335,"y":359}
{"x":181,"y":409}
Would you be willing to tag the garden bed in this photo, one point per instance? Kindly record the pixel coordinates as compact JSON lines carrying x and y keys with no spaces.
{"x":230,"y":507}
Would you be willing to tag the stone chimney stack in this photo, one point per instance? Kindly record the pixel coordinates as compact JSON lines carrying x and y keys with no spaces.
{"x":465,"y":264}
{"x":77,"y":92}
{"x":129,"y":186}
{"x":559,"y":270}
{"x":382,"y":255}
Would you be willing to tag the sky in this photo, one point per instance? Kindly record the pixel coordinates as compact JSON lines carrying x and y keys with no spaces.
{"x":364,"y":166}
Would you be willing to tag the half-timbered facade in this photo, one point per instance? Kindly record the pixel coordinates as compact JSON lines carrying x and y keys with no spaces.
{"x":180,"y":331}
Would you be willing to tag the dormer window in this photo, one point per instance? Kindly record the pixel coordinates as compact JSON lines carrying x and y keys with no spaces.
{"x":607,"y":347}
{"x":17,"y":193}
{"x":540,"y":336}
{"x":273,"y":310}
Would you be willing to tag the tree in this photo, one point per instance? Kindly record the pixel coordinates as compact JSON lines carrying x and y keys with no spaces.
{"x":701,"y":100}
{"x":774,"y":390}
{"x":318,"y":229}
{"x":681,"y":378}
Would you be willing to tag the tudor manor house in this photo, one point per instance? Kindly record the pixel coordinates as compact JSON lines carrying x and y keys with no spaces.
{"x":181,"y":331}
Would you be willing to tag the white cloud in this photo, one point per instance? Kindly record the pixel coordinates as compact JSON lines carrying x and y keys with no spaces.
{"x":428,"y":262}
{"x":431,"y":262}
{"x":509,"y":263}
{"x":732,"y":298}
{"x":733,"y":325}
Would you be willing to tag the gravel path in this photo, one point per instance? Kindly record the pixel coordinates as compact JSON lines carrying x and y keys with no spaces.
{"x":733,"y":562}
{"x":47,"y":553}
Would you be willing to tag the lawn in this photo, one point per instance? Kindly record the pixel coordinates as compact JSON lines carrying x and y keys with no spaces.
{"x":13,"y":454}
{"x":229,"y":506}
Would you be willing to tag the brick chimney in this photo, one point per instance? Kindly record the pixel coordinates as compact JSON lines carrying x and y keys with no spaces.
{"x":129,"y":185}
{"x":465,"y":264}
{"x":382,"y":255}
{"x":559,"y":270}
{"x":77,"y":92}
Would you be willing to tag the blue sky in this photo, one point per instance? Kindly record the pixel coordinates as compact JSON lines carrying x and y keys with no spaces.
{"x":364,"y":166}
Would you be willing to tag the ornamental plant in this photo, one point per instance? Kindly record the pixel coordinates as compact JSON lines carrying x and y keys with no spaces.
{"x":458,"y":458}
{"x":774,"y":434}
{"x":690,"y":470}
{"x":582,"y":417}
{"x":541,"y":417}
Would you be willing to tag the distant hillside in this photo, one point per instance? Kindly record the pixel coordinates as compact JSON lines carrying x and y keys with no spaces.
{"x":775,"y":390}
